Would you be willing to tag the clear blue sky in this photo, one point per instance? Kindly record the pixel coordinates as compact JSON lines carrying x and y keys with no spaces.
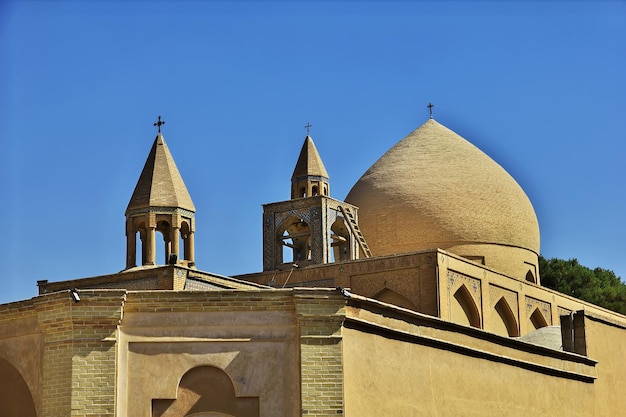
{"x":539,"y":86}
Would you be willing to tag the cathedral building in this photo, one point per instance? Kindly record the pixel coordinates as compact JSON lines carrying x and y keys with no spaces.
{"x":419,"y":294}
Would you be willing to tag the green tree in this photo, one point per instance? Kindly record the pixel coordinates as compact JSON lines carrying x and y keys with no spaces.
{"x":597,"y":286}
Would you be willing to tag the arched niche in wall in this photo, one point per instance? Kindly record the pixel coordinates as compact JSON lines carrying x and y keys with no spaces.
{"x":507,"y":325}
{"x":463,"y":309}
{"x":206,"y":391}
{"x":15,"y":397}
{"x":537,"y":320}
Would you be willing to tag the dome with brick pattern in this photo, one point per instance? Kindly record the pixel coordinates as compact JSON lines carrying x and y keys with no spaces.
{"x":434,"y":189}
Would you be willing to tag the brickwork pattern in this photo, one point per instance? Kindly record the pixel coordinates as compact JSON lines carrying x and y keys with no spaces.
{"x":156,"y":278}
{"x":318,"y":212}
{"x":137,"y":284}
{"x":95,"y":321}
{"x":55,"y":321}
{"x":320,"y":320}
{"x":417,"y":186}
{"x":224,"y":300}
{"x":79,"y":352}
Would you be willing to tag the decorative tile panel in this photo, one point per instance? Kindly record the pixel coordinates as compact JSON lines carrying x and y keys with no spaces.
{"x":511,"y":297}
{"x":456,"y":279}
{"x":563,"y":311}
{"x":544,"y":307}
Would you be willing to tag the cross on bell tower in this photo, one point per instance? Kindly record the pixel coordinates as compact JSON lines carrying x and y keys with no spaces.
{"x":159,"y":123}
{"x":430,"y":109}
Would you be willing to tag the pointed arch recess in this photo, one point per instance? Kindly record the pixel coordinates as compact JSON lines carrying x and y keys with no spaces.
{"x":507,"y":316}
{"x":463,"y":304}
{"x":537,"y":319}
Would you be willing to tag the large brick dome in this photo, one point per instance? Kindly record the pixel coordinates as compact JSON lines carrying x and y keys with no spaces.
{"x":434,"y":189}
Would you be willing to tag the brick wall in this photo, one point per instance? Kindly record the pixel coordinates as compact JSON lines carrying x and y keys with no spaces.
{"x":320,"y":316}
{"x":79,"y":352}
{"x":79,"y":342}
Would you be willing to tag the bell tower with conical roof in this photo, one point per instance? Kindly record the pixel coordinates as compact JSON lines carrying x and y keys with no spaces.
{"x":160,"y":203}
{"x":309,"y":176}
{"x":312,"y":228}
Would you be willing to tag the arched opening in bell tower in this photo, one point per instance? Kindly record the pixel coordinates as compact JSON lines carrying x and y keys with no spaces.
{"x":176,"y":235}
{"x":186,"y":239}
{"x":339,"y":241}
{"x":164,"y":228}
{"x":294,"y":239}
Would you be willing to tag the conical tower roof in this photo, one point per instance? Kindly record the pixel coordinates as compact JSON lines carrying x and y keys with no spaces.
{"x":160,"y":184}
{"x":309,"y":162}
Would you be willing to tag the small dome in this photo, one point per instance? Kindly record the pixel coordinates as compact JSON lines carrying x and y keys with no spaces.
{"x":434,"y":189}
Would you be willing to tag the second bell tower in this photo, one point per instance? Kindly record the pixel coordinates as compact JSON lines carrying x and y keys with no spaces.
{"x":311,"y":228}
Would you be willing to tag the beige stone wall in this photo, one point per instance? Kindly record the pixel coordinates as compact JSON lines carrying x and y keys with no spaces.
{"x":606,"y":342}
{"x":56,"y":322}
{"x":413,"y":276}
{"x":93,"y":365}
{"x":250,"y":336}
{"x":389,"y":377}
{"x":416,"y":366}
{"x":281,"y":349}
{"x":21,"y":360}
{"x":65,"y":351}
{"x":304,"y":352}
{"x":126,"y":353}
